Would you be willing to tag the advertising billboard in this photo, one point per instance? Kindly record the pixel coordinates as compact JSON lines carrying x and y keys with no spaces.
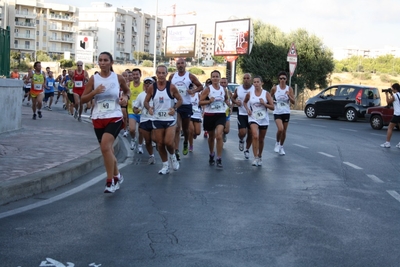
{"x":233,"y":37}
{"x":180,"y":41}
{"x":84,"y":48}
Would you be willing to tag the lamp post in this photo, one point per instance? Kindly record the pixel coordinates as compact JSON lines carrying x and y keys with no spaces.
{"x":155,"y":40}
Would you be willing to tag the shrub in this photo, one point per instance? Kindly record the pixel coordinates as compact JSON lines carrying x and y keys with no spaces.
{"x":147,"y":63}
{"x":196,"y":71}
{"x":385,"y":78}
{"x":171,"y":69}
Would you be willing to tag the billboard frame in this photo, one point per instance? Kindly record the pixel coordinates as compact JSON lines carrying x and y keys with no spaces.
{"x":171,"y":53}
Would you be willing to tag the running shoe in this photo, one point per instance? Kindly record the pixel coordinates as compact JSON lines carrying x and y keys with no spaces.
{"x":118,"y":181}
{"x":56,"y":102}
{"x":281,"y":151}
{"x":219,"y":163}
{"x":79,"y":119}
{"x":110,"y":187}
{"x":164,"y":170}
{"x":225,"y":138}
{"x":50,"y":109}
{"x":177,"y":155}
{"x":398,"y":145}
{"x":259,"y":162}
{"x":125,"y":133}
{"x":133,"y":145}
{"x":205,"y":134}
{"x":241,"y":145}
{"x":185,"y":150}
{"x":140,"y":149}
{"x":34,"y":117}
{"x":174,"y":162}
{"x":246,"y":154}
{"x":276,"y":149}
{"x":152,"y":160}
{"x":386,"y":145}
{"x":76,"y":114}
{"x":190,"y":148}
{"x":39,"y":114}
{"x":255,"y":162}
{"x":211,"y":161}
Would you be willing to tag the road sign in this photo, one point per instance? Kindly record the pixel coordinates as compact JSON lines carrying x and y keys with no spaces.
{"x":292,"y":59}
{"x":84,"y":49}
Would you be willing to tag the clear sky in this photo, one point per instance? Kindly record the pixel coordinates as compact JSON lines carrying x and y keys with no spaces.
{"x":339,"y":23}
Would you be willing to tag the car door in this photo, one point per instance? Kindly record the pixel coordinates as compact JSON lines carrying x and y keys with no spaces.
{"x":324,"y":104}
{"x":344,"y":96}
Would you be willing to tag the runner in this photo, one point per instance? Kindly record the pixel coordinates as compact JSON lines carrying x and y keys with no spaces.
{"x":27,"y":87}
{"x":107,"y":115}
{"x":146,"y":120}
{"x":182,"y":79}
{"x":257,"y":104}
{"x":69,"y":85}
{"x":124,"y":108}
{"x":38,"y":79}
{"x":136,"y":87}
{"x":215,"y":99}
{"x":242,"y":119}
{"x":61,"y":90}
{"x":164,"y":123}
{"x":80,"y":77}
{"x":49,"y":90}
{"x":14,"y":74}
{"x":224,"y":83}
{"x":283,"y":95}
{"x":195,"y":120}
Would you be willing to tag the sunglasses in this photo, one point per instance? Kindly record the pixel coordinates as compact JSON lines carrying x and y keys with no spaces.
{"x":148,"y":82}
{"x":282,"y":78}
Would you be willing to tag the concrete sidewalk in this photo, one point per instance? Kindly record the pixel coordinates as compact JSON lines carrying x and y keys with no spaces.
{"x":46,"y":153}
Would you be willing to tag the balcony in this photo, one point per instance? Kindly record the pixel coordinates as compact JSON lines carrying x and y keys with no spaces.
{"x":25,"y":14}
{"x":62,"y":29}
{"x":60,"y":50}
{"x":25,"y":24}
{"x":61,"y":17}
{"x":147,"y":33}
{"x":23,"y":47}
{"x":24,"y":36}
{"x":88,"y":28}
{"x":122,"y":20}
{"x":120,"y":40}
{"x":146,"y":42}
{"x":147,"y":24}
{"x":122,"y":49}
{"x":64,"y":40}
{"x":121,"y":30}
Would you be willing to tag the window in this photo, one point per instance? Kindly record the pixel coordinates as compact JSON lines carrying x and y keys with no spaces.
{"x":37,"y":21}
{"x":37,"y":32}
{"x":329,"y":92}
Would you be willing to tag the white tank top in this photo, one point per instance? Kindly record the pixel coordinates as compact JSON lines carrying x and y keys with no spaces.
{"x":182,"y":84}
{"x":162,"y":103}
{"x":259,"y":112}
{"x":106,"y":104}
{"x":282,"y":104}
{"x":218,"y":106}
{"x":139,"y":103}
{"x":396,"y":104}
{"x":241,"y":93}
{"x":195,"y":100}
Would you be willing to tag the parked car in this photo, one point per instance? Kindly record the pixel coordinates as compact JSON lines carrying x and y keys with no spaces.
{"x":379,"y":116}
{"x":343,"y":100}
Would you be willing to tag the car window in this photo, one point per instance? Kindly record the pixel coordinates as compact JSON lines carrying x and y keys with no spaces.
{"x":371,"y":93}
{"x":346,"y":91}
{"x":329,"y":92}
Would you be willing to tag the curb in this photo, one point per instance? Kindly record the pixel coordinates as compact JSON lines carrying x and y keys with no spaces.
{"x":46,"y":180}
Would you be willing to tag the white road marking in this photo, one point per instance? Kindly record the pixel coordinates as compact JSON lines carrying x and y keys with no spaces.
{"x":394,"y":194}
{"x":350,"y":130}
{"x":352,"y":165}
{"x":374,"y":178}
{"x":316,"y":125}
{"x":325,"y":154}
{"x":300,"y":146}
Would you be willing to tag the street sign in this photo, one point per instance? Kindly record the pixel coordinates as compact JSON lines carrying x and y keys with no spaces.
{"x":292,"y":59}
{"x":84,"y":49}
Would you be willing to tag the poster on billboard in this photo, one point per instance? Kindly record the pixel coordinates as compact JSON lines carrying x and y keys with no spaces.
{"x":233,"y":37}
{"x":84,"y":48}
{"x":180,"y":41}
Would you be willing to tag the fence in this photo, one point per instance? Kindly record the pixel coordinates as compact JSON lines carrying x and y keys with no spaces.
{"x":5,"y":51}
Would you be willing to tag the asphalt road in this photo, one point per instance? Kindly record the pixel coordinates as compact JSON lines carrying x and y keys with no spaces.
{"x":333,"y":200}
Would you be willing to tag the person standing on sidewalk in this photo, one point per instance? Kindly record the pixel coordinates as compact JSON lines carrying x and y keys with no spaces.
{"x":182,"y":80}
{"x":38,"y":78}
{"x":164,"y":111}
{"x":283,"y":96}
{"x":243,"y":119}
{"x":107,"y":116}
{"x":216,"y":100}
{"x":257,"y":104}
{"x":80,"y":78}
{"x":393,"y":98}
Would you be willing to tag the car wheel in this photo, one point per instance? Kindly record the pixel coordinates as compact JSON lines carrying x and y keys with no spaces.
{"x":310,"y":111}
{"x":376,"y":122}
{"x":351,"y":114}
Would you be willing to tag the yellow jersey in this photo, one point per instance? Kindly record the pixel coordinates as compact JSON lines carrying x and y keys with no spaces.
{"x":135,"y":91}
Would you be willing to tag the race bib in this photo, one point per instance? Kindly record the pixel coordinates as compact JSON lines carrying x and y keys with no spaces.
{"x":50,"y":84}
{"x":182,"y":90}
{"x":282,"y":105}
{"x":259,"y":114}
{"x":28,"y":85}
{"x":70,"y":91}
{"x":106,"y":105}
{"x":162,"y":115}
{"x":78,"y":84}
{"x":37,"y":86}
{"x":195,"y":108}
{"x":218,"y":106}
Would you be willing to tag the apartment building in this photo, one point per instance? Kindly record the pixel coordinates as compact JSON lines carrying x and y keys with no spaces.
{"x":36,"y":25}
{"x":342,"y":53}
{"x":204,"y":46}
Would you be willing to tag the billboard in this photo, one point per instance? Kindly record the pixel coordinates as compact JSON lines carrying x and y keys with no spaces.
{"x":233,"y":37}
{"x":180,"y":41}
{"x":84,"y":48}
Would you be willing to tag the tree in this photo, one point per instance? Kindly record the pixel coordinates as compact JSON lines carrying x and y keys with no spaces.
{"x":42,"y":56}
{"x":269,"y":52}
{"x":218,"y":59}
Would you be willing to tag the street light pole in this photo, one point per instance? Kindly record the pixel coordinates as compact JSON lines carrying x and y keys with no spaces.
{"x":155,"y":40}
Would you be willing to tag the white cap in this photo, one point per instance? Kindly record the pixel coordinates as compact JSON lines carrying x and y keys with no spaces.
{"x":149,"y":79}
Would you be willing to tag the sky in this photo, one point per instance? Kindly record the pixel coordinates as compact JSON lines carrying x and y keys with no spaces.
{"x":367,"y":24}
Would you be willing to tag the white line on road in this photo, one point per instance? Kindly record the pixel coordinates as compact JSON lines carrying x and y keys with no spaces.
{"x":350,"y":130}
{"x":325,"y":154}
{"x":300,"y":146}
{"x":316,"y":125}
{"x":352,"y":165}
{"x":374,"y":178}
{"x":394,"y":194}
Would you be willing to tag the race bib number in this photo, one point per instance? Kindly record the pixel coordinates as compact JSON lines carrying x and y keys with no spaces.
{"x":70,"y":91}
{"x":50,"y":84}
{"x":28,"y":85}
{"x":282,"y":105}
{"x":37,"y":87}
{"x":162,"y":115}
{"x":259,"y":114}
{"x":78,"y":84}
{"x":218,"y":106}
{"x":182,"y":90}
{"x":106,"y":105}
{"x":195,"y":109}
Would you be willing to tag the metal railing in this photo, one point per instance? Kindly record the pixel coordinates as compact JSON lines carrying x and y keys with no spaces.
{"x":5,"y":51}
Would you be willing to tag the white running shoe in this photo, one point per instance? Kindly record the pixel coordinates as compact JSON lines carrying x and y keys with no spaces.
{"x":281,"y":151}
{"x":126,"y":134}
{"x":110,"y":187}
{"x":152,"y":160}
{"x":276,"y":149}
{"x":259,"y":163}
{"x":118,"y":181}
{"x":398,"y":145}
{"x":133,"y":145}
{"x":255,"y":162}
{"x":241,"y":145}
{"x":140,"y":149}
{"x":386,"y":145}
{"x":246,"y":154}
{"x":175,"y":162}
{"x":164,"y":170}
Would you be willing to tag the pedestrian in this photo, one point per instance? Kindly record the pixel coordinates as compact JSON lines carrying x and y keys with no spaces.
{"x":107,"y":116}
{"x":283,"y":96}
{"x":257,"y":104}
{"x":242,"y":119}
{"x":393,"y":97}
{"x":38,"y":78}
{"x":164,"y":111}
{"x":215,"y":99}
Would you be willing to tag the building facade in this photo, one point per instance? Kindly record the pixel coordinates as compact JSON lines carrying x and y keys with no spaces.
{"x":343,"y":53}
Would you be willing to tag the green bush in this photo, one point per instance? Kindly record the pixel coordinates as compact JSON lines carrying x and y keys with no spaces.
{"x":147,"y":63}
{"x":385,"y":78}
{"x":196,"y":71}
{"x":171,"y":69}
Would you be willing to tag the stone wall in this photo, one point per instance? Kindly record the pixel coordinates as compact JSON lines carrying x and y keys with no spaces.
{"x":10,"y":104}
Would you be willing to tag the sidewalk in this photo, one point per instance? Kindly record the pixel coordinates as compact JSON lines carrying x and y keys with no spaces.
{"x":46,"y":153}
